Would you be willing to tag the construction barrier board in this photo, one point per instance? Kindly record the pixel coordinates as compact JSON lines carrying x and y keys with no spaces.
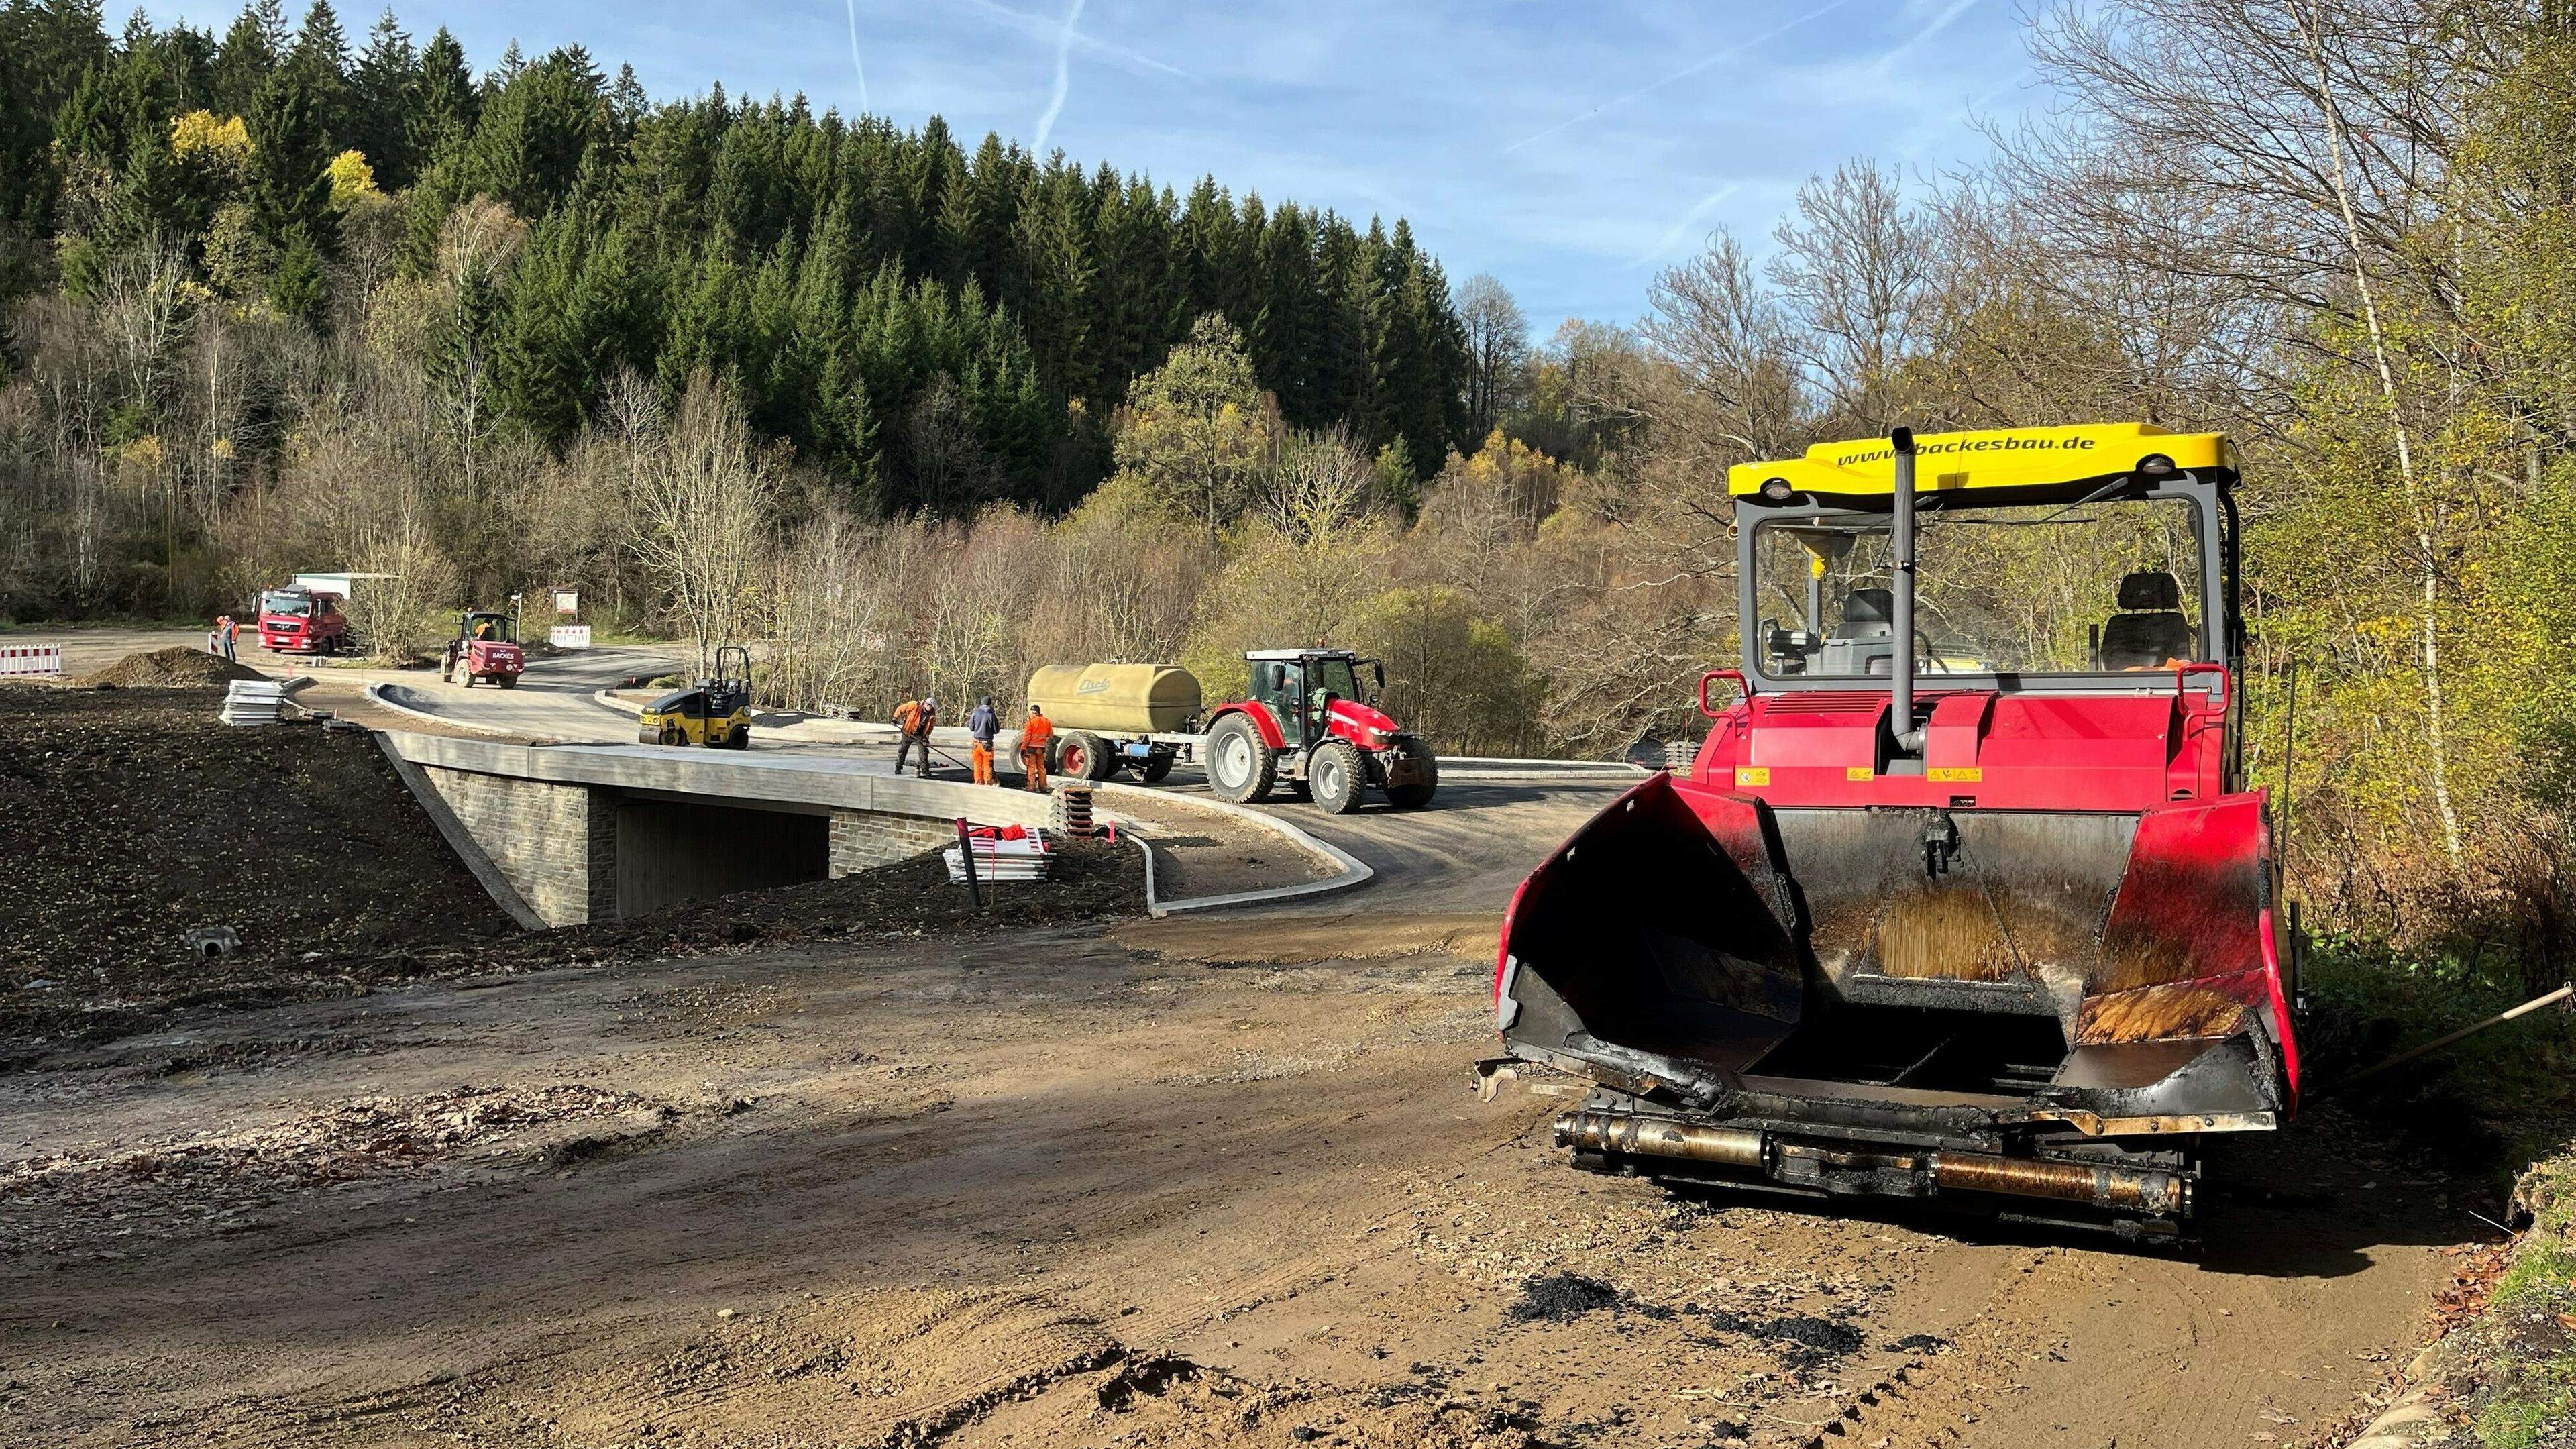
{"x":30,"y":659}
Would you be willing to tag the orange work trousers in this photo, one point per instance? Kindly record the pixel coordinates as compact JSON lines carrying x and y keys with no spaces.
{"x":982,"y":759}
{"x":1034,"y":762}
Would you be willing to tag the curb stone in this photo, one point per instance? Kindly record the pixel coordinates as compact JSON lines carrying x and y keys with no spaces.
{"x":2412,"y":1422}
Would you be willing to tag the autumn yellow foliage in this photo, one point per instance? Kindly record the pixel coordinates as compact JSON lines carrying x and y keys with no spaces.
{"x":204,"y":136}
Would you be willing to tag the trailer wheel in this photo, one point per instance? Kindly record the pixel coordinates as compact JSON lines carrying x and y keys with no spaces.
{"x":1081,"y":755}
{"x":1241,"y":766}
{"x":1153,"y":767}
{"x":1415,"y":796}
{"x":1337,"y":777}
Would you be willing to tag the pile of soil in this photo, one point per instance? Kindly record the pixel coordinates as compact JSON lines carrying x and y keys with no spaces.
{"x":140,"y":818}
{"x":173,"y":668}
{"x":137,"y":817}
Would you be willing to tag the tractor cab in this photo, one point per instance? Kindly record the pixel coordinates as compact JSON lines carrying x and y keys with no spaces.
{"x":486,"y":647}
{"x":1308,"y":720}
{"x":713,"y":712}
{"x":1300,"y":687}
{"x":1965,"y":893}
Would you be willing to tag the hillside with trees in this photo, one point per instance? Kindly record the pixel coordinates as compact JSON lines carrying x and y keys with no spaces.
{"x":275,"y":225}
{"x":921,"y":417}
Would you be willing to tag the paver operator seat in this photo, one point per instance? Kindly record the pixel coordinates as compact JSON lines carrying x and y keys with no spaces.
{"x":2150,"y":631}
{"x":1865,"y":641}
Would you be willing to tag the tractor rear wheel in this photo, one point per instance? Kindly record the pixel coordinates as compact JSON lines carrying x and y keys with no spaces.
{"x":1241,"y":766}
{"x":1418,"y":794}
{"x":1337,"y":776}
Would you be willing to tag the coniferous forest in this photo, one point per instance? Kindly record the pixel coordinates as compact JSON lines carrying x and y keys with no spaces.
{"x":835,"y":271}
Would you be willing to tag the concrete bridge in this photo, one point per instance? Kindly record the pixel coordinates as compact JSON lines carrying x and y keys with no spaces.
{"x":564,"y":834}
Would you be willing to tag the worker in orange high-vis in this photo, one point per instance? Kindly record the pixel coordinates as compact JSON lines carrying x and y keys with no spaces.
{"x":1035,"y":736}
{"x":981,"y":726}
{"x":916,"y":718}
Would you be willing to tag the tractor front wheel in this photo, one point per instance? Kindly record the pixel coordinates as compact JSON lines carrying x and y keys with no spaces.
{"x":1241,"y":766}
{"x":1337,"y":777}
{"x":507,"y":681}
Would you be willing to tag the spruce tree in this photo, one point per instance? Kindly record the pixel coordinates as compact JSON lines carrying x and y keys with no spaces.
{"x":289,"y":190}
{"x":383,"y":95}
{"x":445,"y":105}
{"x":251,"y":50}
{"x":321,"y":52}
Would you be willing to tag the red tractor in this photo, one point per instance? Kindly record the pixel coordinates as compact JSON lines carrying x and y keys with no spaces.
{"x":486,"y":647}
{"x":1309,"y":723}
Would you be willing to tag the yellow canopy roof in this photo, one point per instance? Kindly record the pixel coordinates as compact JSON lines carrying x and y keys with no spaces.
{"x":1995,"y":458}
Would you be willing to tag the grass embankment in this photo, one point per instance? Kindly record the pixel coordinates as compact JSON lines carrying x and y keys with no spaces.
{"x":2502,"y":1103}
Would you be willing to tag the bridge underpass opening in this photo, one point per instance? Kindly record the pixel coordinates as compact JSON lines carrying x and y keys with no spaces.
{"x":673,"y":850}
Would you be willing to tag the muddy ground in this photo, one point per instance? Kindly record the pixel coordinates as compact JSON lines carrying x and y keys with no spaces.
{"x":1068,"y":1188}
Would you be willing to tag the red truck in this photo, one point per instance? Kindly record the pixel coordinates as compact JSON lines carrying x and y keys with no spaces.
{"x":298,"y":620}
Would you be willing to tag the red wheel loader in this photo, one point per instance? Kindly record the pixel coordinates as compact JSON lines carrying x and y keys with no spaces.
{"x":1965,"y":896}
{"x":486,"y":647}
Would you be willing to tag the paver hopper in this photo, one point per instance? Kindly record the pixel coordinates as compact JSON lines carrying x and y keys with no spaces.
{"x":1988,"y":918}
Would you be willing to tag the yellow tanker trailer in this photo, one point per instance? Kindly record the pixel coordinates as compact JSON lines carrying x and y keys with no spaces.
{"x":1111,"y":716}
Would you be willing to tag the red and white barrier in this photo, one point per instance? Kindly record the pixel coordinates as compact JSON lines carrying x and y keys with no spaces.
{"x":30,"y":660}
{"x":569,"y":636}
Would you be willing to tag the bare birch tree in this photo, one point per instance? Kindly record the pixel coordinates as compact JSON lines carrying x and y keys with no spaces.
{"x":704,"y":502}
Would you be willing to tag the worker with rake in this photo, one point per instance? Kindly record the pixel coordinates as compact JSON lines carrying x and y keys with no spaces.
{"x":915,"y":718}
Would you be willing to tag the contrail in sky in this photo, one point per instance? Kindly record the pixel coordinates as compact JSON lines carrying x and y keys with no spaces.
{"x":1063,"y":77}
{"x":1039,"y":25}
{"x":1939,"y":23}
{"x":1730,"y":53}
{"x":854,"y":55}
{"x":1699,"y":209}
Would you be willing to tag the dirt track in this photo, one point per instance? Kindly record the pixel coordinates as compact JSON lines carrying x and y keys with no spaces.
{"x":1058,"y":1188}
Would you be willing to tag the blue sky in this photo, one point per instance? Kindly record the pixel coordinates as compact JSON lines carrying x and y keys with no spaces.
{"x":1570,"y":149}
